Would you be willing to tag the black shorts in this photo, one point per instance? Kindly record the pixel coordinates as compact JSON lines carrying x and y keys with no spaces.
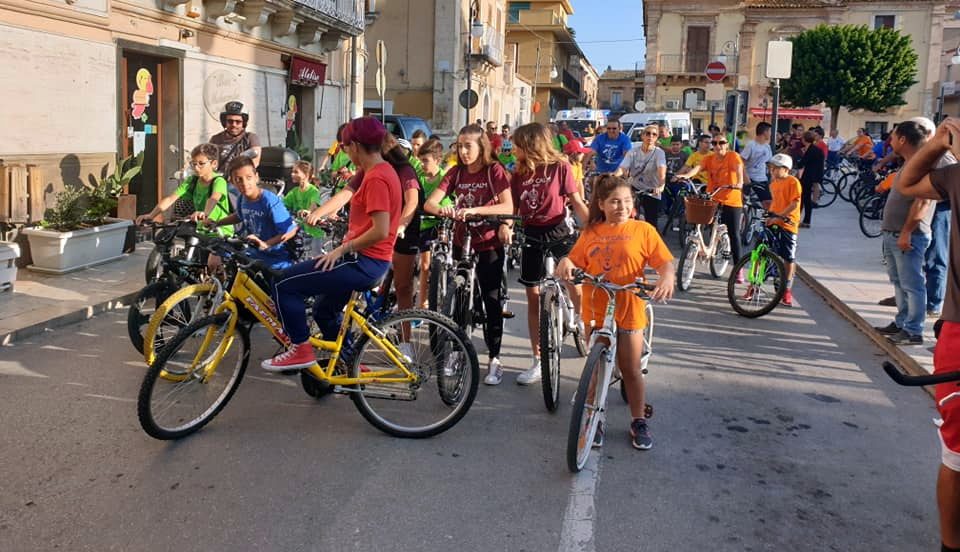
{"x":786,"y":245}
{"x":409,"y":244}
{"x":539,"y":241}
{"x":427,"y":237}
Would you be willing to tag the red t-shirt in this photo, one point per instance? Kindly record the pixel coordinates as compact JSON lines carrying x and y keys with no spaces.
{"x":496,"y":141}
{"x":408,"y":179}
{"x":568,"y":134}
{"x":476,"y":190}
{"x":379,"y":191}
{"x":539,"y":198}
{"x":823,"y":147}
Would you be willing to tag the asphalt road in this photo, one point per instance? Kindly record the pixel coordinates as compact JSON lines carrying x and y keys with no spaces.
{"x":770,"y":434}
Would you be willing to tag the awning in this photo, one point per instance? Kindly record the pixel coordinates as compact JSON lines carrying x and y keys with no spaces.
{"x":787,"y":113}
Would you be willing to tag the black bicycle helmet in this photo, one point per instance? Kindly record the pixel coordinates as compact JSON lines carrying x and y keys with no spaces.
{"x":233,"y":108}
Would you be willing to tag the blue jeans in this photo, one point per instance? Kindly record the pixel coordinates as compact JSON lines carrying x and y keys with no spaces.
{"x":935,"y":265}
{"x":905,"y":269}
{"x":332,"y":288}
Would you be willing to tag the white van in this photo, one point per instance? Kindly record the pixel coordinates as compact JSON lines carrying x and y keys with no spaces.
{"x":583,"y":121}
{"x":677,"y":121}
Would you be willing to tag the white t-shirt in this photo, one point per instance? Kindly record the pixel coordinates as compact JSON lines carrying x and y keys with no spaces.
{"x":835,"y":144}
{"x":755,"y":157}
{"x":642,"y":166}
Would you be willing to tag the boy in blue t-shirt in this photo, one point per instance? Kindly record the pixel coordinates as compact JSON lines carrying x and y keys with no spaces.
{"x":610,"y":148}
{"x":266,"y":222}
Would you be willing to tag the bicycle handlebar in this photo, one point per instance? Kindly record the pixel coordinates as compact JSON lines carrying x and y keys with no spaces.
{"x":638,"y":288}
{"x":235,"y":247}
{"x":917,"y":381}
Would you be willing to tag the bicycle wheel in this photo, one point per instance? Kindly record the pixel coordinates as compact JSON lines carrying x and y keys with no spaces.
{"x":437,"y":287}
{"x":828,"y":194}
{"x":437,"y":349}
{"x":721,"y":256}
{"x":142,"y":308}
{"x":456,"y":306}
{"x":551,"y":343}
{"x":587,"y":408}
{"x":174,"y":407}
{"x":871,"y":217}
{"x":845,"y":186}
{"x":763,"y":286}
{"x":177,"y":311}
{"x":688,"y":265}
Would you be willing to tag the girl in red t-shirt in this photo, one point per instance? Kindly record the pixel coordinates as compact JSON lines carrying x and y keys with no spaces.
{"x":542,"y":184}
{"x":361,"y":260}
{"x":481,"y":187}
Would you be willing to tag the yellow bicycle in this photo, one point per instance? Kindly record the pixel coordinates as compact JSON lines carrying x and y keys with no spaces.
{"x":386,"y":367}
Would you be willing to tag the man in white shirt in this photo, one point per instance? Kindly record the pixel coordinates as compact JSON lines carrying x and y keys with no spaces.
{"x":834,"y":145}
{"x":755,"y":156}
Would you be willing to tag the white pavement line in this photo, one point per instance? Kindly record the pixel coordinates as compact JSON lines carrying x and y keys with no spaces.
{"x":77,"y":384}
{"x":282,"y":381}
{"x":581,"y":513}
{"x":109,"y":398}
{"x":15,"y":368}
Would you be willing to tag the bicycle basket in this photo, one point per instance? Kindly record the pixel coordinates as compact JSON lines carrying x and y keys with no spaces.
{"x":698,"y":210}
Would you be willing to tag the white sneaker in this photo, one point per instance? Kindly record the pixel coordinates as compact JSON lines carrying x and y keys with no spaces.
{"x":531,"y":375}
{"x":494,"y":372}
{"x":407,"y":351}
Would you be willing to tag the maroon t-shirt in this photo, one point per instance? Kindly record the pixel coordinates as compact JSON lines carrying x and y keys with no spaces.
{"x":476,"y":190}
{"x":947,"y":183}
{"x":539,"y":198}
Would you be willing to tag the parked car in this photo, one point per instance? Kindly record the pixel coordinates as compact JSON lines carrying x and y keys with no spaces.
{"x":403,"y":126}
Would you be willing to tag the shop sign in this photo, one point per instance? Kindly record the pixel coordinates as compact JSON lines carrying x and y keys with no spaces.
{"x":307,"y":73}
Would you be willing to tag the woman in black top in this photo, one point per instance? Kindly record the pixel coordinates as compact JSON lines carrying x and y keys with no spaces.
{"x":811,"y":173}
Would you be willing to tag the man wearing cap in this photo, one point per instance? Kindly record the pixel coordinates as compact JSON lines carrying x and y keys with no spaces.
{"x":785,"y":193}
{"x":920,"y":178}
{"x":235,"y":140}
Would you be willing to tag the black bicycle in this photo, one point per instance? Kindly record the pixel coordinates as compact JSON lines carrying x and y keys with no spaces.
{"x":676,"y":220}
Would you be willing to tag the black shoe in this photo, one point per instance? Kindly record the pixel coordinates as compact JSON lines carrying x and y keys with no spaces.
{"x":889,"y":329}
{"x":903,"y":338}
{"x":598,"y":436}
{"x":508,"y":314}
{"x":640,"y":436}
{"x":804,"y":225}
{"x":888,"y":302}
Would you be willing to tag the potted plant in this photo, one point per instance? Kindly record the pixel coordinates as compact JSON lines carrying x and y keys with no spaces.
{"x":78,"y":231}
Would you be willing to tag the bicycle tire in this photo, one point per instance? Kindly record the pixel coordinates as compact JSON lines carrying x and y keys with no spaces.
{"x":580,"y":341}
{"x":437,"y":344}
{"x":456,"y":305}
{"x":845,"y":186}
{"x":757,"y":299}
{"x":591,"y":395}
{"x":721,"y":257}
{"x":551,"y":344}
{"x":177,"y":311}
{"x":828,"y":195}
{"x":150,"y":416}
{"x":871,"y":216}
{"x":139,"y":313}
{"x":687,"y":267}
{"x":153,"y":268}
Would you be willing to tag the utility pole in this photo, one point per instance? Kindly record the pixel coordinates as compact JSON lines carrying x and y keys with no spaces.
{"x":775,"y":114}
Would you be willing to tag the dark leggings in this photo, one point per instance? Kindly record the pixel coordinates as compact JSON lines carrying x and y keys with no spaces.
{"x":806,"y":200}
{"x":730,"y":216}
{"x":648,"y":206}
{"x":489,"y":277}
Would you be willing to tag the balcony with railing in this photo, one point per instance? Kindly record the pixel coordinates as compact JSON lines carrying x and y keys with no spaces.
{"x":345,"y":15}
{"x":538,"y":18}
{"x":488,"y":48}
{"x":692,"y":63}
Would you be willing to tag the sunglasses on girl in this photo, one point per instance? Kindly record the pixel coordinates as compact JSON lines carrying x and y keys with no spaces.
{"x":719,"y":142}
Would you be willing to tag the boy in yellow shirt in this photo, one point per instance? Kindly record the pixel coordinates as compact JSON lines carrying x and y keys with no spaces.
{"x":785,"y":213}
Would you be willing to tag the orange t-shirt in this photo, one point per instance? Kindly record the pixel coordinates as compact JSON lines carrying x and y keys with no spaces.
{"x":864,"y":145}
{"x":620,"y":252}
{"x":785,"y":191}
{"x":887,"y":183}
{"x":723,"y":172}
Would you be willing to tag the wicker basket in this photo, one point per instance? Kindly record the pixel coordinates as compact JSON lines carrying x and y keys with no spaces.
{"x":699,"y":211}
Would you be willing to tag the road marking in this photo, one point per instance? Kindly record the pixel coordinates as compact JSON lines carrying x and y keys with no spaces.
{"x":109,"y":398}
{"x":283,"y":381}
{"x":77,"y":384}
{"x":14,"y":368}
{"x":581,"y":513}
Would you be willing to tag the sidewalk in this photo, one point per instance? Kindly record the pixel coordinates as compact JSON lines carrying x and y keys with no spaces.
{"x":43,"y":301}
{"x":844,"y":266}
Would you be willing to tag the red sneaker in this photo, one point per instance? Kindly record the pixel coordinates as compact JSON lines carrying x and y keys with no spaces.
{"x":295,"y":358}
{"x":787,"y":300}
{"x":748,"y":296}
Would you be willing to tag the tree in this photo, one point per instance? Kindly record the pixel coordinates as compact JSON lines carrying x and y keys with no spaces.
{"x":850,"y":66}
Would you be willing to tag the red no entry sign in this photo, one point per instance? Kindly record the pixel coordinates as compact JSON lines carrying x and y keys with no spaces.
{"x":715,"y":71}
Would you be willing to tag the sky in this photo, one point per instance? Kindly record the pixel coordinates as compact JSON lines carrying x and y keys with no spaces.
{"x":598,"y":22}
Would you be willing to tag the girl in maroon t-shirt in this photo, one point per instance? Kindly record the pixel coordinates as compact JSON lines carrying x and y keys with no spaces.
{"x":481,"y":187}
{"x":542,"y":185}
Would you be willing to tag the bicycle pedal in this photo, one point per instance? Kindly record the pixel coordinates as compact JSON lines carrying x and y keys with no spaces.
{"x":648,"y":411}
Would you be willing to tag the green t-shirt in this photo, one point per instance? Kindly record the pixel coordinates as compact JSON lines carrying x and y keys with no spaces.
{"x":687,"y":150}
{"x":664,"y":143}
{"x":429,"y":185}
{"x":559,"y":141}
{"x":341,"y":160}
{"x":198,"y":192}
{"x":298,"y":199}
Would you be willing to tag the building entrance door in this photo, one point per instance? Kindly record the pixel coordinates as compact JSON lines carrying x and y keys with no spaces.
{"x":142,"y":124}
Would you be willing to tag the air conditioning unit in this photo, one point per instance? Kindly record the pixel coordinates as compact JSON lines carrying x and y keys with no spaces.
{"x":671,"y":105}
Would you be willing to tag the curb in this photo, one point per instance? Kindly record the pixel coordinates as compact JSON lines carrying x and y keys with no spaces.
{"x":67,"y":319}
{"x":904,"y":361}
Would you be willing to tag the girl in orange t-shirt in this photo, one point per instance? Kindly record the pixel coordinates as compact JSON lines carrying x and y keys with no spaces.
{"x":620,"y":248}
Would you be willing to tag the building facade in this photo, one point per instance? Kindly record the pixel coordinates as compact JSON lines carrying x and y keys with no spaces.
{"x":547,"y":54}
{"x":620,"y":89}
{"x":682,"y":39}
{"x":433,"y":48}
{"x":88,"y":80}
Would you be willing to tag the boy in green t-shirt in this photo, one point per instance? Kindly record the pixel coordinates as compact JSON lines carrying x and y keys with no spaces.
{"x":433,"y":172}
{"x":206,"y":190}
{"x":302,"y":199}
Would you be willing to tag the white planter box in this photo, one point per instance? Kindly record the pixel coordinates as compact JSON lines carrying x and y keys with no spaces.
{"x":61,"y":252}
{"x":9,"y":253}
